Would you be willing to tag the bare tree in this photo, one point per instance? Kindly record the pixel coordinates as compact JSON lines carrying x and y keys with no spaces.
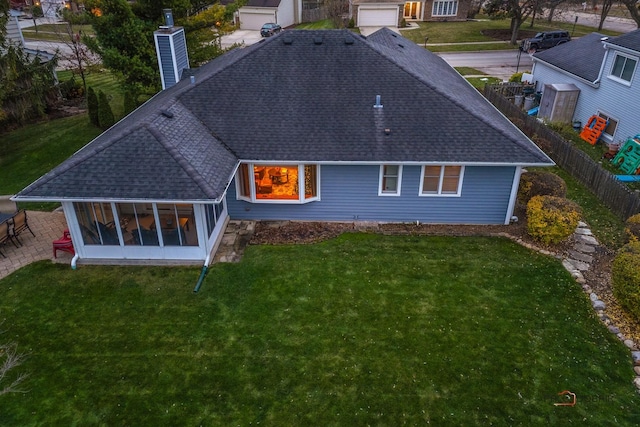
{"x":9,"y":360}
{"x":552,"y":5}
{"x":606,"y":7}
{"x":78,"y":54}
{"x":633,"y":8}
{"x":336,"y":10}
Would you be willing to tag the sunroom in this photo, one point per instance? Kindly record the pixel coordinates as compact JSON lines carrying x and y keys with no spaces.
{"x":145,"y":229}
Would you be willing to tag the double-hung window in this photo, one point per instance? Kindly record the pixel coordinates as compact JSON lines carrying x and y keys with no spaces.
{"x":441,"y":180}
{"x":623,"y":68}
{"x":612,"y":125}
{"x":390,"y":178}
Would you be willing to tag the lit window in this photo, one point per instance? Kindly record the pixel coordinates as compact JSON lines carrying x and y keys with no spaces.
{"x":445,"y":8}
{"x":281,"y":183}
{"x":441,"y":180}
{"x":623,"y":67}
{"x":390,"y":176}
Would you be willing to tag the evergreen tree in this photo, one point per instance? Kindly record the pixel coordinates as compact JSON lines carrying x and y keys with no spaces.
{"x":130,"y":102}
{"x":92,"y":106}
{"x":105,"y":114}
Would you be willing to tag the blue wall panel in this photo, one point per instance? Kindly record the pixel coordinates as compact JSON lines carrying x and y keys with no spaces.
{"x":350,"y":193}
{"x":166,"y":60}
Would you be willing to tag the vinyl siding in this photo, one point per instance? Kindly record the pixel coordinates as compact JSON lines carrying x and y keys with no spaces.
{"x":350,"y":193}
{"x":180,"y":46}
{"x":611,"y":97}
{"x":166,"y":60}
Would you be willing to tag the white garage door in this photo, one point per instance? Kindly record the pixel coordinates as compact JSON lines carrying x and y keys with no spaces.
{"x":254,"y":21}
{"x":378,"y":17}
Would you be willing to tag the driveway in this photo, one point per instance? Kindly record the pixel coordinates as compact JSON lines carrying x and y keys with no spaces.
{"x":241,"y":37}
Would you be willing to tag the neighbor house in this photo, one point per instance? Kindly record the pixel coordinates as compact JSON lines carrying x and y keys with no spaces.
{"x":390,"y":13}
{"x":604,"y":70}
{"x":255,"y":13}
{"x":305,"y":125}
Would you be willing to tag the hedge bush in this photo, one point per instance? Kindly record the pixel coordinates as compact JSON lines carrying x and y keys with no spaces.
{"x":92,"y":106}
{"x":540,"y":183}
{"x":625,"y":277}
{"x":632,"y":227}
{"x":105,"y":114}
{"x":551,"y":219}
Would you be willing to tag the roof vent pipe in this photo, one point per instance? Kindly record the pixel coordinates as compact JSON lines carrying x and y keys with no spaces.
{"x":168,"y":18}
{"x":378,"y":104}
{"x":193,"y":80}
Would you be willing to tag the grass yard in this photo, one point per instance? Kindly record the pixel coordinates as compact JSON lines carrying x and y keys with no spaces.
{"x":359,"y":330}
{"x":467,"y":36}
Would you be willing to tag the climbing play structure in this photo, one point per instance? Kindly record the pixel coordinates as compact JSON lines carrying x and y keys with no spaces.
{"x":593,"y":129}
{"x":628,"y":157}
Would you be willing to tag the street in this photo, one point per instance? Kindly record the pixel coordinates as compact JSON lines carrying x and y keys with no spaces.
{"x":497,"y":63}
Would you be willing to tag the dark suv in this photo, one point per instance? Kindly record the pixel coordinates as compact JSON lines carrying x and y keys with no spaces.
{"x":270,"y":29}
{"x":544,"y":41}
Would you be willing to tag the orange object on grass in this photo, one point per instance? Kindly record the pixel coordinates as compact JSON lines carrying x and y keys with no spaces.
{"x":593,"y":129}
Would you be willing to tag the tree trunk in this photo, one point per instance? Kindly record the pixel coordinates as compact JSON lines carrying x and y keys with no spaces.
{"x":632,"y":7}
{"x":515,"y":26}
{"x":552,"y":10}
{"x":606,"y":7}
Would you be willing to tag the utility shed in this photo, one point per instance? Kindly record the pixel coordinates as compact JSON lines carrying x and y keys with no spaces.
{"x":558,"y":103}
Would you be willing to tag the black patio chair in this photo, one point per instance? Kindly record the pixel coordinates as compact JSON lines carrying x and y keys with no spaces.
{"x":20,"y":223}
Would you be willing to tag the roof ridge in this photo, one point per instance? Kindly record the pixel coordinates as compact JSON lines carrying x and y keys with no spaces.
{"x":175,"y":153}
{"x":465,"y":107}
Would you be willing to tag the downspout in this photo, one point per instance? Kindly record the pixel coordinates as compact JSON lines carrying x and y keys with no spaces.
{"x":74,"y":260}
{"x":597,"y":81}
{"x":203,"y":273}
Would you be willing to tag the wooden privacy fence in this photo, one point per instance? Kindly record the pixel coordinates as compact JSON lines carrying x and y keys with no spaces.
{"x":615,"y":195}
{"x":315,"y":14}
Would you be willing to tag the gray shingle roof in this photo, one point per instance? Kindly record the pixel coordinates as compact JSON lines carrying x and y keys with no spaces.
{"x":630,"y":40}
{"x":581,"y":57}
{"x":299,"y":96}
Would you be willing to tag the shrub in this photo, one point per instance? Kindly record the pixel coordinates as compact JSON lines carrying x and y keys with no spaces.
{"x":351,"y":23}
{"x":92,"y":106}
{"x":625,"y":277}
{"x":551,"y":219}
{"x":632,"y":227}
{"x":71,"y":89}
{"x":105,"y":114}
{"x":540,"y":183}
{"x":516,"y":77}
{"x":130,"y":102}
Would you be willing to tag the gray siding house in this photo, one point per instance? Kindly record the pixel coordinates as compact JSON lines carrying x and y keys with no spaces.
{"x":305,"y":125}
{"x":605,"y":70}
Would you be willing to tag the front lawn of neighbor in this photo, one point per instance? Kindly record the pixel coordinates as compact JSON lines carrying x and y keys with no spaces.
{"x":363,"y":329}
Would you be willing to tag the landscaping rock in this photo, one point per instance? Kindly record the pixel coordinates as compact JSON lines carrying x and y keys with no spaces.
{"x":599,"y":305}
{"x":581,"y":257}
{"x":584,"y":231}
{"x":630,"y":344}
{"x":593,"y":296}
{"x":587,"y":249}
{"x":636,"y":382}
{"x":589,"y":240}
{"x":613,"y":329}
{"x":635,"y":355}
{"x":636,"y":369}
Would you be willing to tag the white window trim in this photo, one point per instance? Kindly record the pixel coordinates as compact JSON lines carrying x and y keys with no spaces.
{"x":619,"y":79}
{"x":381,"y":191}
{"x":434,"y":7}
{"x":458,"y":193}
{"x":301,"y":196}
{"x":606,"y":136}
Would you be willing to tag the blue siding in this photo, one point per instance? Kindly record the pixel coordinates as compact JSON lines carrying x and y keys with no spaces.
{"x":180,"y":47}
{"x":351,"y":193}
{"x":166,"y":60}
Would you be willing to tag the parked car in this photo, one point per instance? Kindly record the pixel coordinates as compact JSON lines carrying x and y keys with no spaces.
{"x":270,"y":29}
{"x":544,"y":40}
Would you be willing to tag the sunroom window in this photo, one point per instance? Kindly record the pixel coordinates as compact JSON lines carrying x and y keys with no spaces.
{"x":267,"y":182}
{"x":441,"y":180}
{"x":137,"y":224}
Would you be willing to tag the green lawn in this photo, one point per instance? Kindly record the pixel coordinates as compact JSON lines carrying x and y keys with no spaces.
{"x":360,"y":330}
{"x":54,"y":32}
{"x":33,"y":150}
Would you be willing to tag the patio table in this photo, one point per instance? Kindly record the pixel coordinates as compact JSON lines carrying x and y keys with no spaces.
{"x":4,"y":217}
